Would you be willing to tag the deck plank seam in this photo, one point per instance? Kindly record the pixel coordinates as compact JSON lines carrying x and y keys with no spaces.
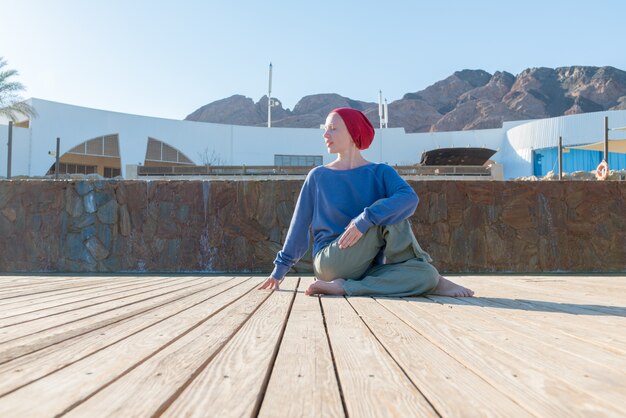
{"x":54,"y":289}
{"x":115,"y":292}
{"x":334,"y":361}
{"x":119,"y":340}
{"x":526,"y":363}
{"x":573,"y":309}
{"x":52,"y":286}
{"x":600,"y":344}
{"x":123,"y":318}
{"x":169,"y":401}
{"x":462,"y":363}
{"x":11,"y":282}
{"x":270,"y":367}
{"x":95,"y":314}
{"x":404,"y":372}
{"x":88,"y":306}
{"x":161,"y":348}
{"x":63,"y":293}
{"x":506,"y":325}
{"x":5,"y":301}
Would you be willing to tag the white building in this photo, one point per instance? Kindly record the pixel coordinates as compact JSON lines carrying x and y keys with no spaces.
{"x":102,"y":141}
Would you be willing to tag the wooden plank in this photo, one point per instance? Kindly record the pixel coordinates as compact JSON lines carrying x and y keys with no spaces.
{"x":35,"y":288}
{"x":303,"y":381}
{"x":235,"y":379}
{"x":62,"y":290}
{"x":86,"y":297}
{"x":167,"y":371}
{"x":62,"y":328}
{"x":559,"y":326}
{"x":28,"y":368}
{"x":505,"y":291}
{"x":593,"y":290}
{"x":12,"y":281}
{"x":76,"y":294}
{"x":527,"y":383}
{"x":585,"y":280}
{"x":541,"y":300}
{"x":59,"y":284}
{"x":28,"y":318}
{"x":449,"y":386}
{"x":34,"y":282}
{"x":65,"y":389}
{"x":15,"y":327}
{"x":485,"y":341}
{"x":578,"y":369}
{"x":604,"y":281}
{"x":603,"y":286}
{"x":589,"y":297}
{"x":62,"y":293}
{"x":373,"y":384}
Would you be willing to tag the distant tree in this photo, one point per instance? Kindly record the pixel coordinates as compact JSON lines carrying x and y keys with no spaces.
{"x":210,"y":158}
{"x":12,"y":105}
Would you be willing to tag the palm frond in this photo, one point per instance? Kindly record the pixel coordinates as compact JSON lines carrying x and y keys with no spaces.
{"x":7,"y":89}
{"x":12,"y":105}
{"x":5,"y":75}
{"x":17,"y":111}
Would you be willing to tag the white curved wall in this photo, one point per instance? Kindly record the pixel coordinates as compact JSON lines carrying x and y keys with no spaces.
{"x":238,"y":145}
{"x":234,"y":145}
{"x":543,"y":133}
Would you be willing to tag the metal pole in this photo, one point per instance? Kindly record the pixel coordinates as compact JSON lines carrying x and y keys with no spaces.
{"x":380,"y":108}
{"x":606,"y":139}
{"x":560,"y":158}
{"x":380,"y":142}
{"x":269,"y":100}
{"x":386,"y":114}
{"x":56,"y":163}
{"x":10,"y":149}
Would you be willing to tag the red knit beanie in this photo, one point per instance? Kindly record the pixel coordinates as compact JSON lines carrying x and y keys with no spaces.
{"x":359,"y":127}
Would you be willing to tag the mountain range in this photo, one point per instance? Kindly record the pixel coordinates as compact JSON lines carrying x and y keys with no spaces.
{"x":468,"y":99}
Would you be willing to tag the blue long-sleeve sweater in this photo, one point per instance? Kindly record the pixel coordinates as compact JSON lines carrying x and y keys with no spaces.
{"x":331,"y":199}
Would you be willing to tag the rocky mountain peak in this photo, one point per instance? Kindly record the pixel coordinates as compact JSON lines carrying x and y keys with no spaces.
{"x":475,"y":78}
{"x":468,"y":99}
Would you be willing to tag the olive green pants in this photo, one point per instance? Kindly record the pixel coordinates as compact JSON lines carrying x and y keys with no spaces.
{"x":405,"y":269}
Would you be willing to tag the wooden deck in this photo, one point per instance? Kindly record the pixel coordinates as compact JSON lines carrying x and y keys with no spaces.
{"x":549,"y":346}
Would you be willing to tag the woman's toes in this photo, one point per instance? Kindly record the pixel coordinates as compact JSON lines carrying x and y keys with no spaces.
{"x":310,"y":289}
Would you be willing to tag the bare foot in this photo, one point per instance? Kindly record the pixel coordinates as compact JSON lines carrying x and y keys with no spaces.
{"x":320,"y":287}
{"x":447,"y":288}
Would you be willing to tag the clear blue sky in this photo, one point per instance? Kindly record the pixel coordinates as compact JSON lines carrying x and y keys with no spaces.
{"x":167,"y":58}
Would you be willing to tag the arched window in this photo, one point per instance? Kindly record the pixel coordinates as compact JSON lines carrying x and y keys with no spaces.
{"x":106,"y":146}
{"x":158,"y":152}
{"x":97,"y":155}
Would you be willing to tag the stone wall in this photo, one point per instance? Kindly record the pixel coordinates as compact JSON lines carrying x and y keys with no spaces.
{"x":238,"y":226}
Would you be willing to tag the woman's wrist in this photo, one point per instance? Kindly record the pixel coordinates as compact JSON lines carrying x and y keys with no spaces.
{"x":279,"y":272}
{"x":362,"y":223}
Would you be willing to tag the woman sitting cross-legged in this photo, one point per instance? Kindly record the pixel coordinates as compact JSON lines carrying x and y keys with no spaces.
{"x":358,"y":213}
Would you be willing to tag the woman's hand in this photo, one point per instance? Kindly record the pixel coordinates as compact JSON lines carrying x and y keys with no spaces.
{"x":270,"y":283}
{"x":350,"y":237}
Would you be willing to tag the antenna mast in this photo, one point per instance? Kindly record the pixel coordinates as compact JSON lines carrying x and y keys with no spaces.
{"x":269,"y":100}
{"x":380,"y":108}
{"x":386,"y":114}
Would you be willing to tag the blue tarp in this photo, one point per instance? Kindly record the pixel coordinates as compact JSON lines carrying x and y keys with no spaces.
{"x":546,"y":159}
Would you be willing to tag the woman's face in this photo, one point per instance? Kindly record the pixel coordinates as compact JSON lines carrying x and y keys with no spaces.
{"x":336,"y":135}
